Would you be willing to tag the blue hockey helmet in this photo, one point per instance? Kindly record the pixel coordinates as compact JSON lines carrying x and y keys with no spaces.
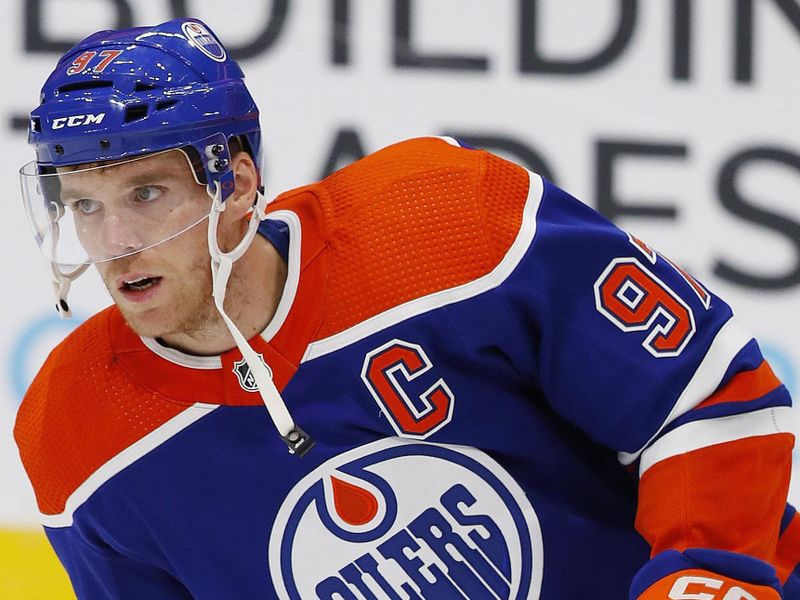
{"x":137,"y":91}
{"x":121,"y":96}
{"x":124,"y":96}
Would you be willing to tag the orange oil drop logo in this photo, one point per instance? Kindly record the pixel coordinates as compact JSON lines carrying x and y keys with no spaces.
{"x":354,"y":505}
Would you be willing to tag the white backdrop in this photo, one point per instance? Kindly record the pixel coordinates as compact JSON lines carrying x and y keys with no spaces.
{"x":677,"y":118}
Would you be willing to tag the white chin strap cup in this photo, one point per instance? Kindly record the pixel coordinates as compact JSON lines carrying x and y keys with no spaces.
{"x":297,"y":440}
{"x":61,"y":280}
{"x":61,"y":284}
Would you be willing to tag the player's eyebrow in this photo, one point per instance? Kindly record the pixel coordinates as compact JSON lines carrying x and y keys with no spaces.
{"x":68,"y":191}
{"x":134,"y":181}
{"x":148,"y":177}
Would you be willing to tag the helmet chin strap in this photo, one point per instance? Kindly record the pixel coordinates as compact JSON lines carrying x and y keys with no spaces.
{"x":61,"y":284}
{"x":297,"y":440}
{"x":61,"y":280}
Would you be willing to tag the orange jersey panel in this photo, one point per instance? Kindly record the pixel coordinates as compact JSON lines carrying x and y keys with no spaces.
{"x":80,"y":411}
{"x":412,"y":219}
{"x":745,"y":386}
{"x":682,"y":499}
{"x":102,"y":390}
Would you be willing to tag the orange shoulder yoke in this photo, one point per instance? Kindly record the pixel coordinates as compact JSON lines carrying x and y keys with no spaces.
{"x":80,"y":411}
{"x":415,"y":218}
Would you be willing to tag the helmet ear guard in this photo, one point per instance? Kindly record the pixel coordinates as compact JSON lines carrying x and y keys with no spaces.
{"x":211,"y":165}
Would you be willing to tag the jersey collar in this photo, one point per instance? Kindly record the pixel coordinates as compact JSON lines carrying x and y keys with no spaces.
{"x":282,"y":344}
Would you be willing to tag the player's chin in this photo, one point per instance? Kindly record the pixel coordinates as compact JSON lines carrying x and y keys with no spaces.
{"x":148,"y":317}
{"x":152,"y":323}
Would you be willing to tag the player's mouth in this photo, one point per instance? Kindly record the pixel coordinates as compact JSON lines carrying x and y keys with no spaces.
{"x":138,"y":287}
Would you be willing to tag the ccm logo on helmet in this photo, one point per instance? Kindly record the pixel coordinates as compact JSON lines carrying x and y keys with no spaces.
{"x":78,"y":120}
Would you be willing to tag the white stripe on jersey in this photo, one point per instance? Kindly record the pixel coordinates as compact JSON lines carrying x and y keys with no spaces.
{"x":726,"y":345}
{"x":415,"y":307}
{"x":124,"y":459}
{"x":709,"y":432}
{"x":450,"y":140}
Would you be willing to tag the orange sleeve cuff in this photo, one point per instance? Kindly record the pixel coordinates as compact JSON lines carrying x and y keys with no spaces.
{"x":728,"y":496}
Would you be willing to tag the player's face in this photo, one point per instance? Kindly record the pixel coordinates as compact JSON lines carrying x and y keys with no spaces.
{"x":164,"y":288}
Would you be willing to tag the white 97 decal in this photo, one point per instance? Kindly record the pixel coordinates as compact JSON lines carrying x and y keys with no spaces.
{"x":634,"y":299}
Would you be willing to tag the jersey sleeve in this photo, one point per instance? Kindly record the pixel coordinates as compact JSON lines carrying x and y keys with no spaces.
{"x":644,"y":359}
{"x":71,"y":448}
{"x":99,"y":572}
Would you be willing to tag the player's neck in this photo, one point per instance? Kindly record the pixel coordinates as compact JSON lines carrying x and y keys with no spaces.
{"x":254,"y":291}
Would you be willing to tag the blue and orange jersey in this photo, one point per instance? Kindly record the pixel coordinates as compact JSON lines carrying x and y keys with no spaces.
{"x":510,"y":398}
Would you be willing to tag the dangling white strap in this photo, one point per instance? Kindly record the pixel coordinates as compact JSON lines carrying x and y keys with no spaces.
{"x":61,"y":284}
{"x":61,"y":281}
{"x":221,"y":266}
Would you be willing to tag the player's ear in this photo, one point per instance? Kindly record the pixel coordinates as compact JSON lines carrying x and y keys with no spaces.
{"x":246,"y":183}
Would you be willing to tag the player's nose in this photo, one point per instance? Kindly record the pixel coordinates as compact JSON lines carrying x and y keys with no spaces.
{"x":119,"y":236}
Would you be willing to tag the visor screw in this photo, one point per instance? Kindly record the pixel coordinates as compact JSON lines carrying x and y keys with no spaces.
{"x":104,"y":144}
{"x":220,"y":164}
{"x":216,"y":149}
{"x":59,"y":149}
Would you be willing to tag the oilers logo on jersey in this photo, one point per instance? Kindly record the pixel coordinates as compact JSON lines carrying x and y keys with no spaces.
{"x":365,"y":525}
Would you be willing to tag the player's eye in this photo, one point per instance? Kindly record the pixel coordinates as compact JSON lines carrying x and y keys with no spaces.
{"x":85,"y":206}
{"x":147,"y":193}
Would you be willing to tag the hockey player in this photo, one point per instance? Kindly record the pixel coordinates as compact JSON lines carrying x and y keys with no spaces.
{"x":487,"y":391}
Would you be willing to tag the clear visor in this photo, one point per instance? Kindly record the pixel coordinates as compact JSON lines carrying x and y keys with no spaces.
{"x":94,"y":213}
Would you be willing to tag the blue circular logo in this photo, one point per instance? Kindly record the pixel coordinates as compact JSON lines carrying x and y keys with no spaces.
{"x":400,"y":518}
{"x":202,"y":39}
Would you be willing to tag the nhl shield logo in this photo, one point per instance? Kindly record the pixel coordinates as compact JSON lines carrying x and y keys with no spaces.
{"x":365,"y":526}
{"x":245,"y":375}
{"x":202,"y":39}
